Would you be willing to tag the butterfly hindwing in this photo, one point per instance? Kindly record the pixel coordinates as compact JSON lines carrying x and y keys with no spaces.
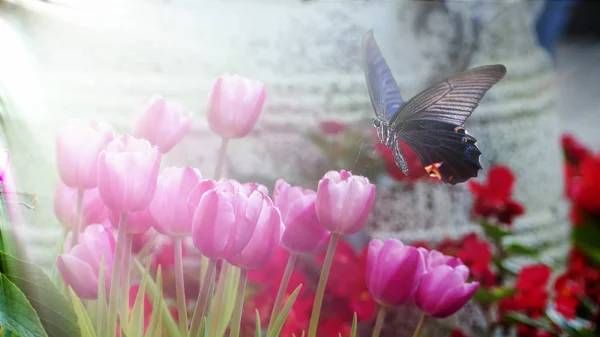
{"x":451,"y":100}
{"x":445,"y":150}
{"x":383,"y":89}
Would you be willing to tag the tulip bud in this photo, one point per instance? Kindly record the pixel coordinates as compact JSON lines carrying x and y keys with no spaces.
{"x":65,"y":206}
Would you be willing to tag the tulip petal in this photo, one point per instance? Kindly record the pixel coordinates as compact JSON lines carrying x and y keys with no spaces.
{"x":79,"y":275}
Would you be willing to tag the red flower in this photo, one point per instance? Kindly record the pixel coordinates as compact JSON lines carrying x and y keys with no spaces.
{"x":532,"y":296}
{"x":415,"y":168}
{"x":458,"y":333}
{"x":332,"y":127}
{"x":574,"y":151}
{"x":334,"y":327}
{"x":585,"y":189}
{"x":567,"y":295}
{"x":475,"y":254}
{"x":493,"y":199}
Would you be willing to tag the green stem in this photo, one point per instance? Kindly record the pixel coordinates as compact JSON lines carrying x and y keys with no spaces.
{"x":221,"y":158}
{"x":215,"y":319}
{"x":78,"y":216}
{"x":289,"y":268}
{"x":200,"y":308}
{"x":180,"y":287}
{"x":125,"y":281}
{"x":379,"y":321}
{"x":115,"y":277}
{"x":420,"y":325}
{"x":316,"y":309}
{"x":236,"y":319}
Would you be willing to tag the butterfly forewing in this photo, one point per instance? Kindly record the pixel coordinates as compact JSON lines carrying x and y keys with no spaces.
{"x":451,"y":100}
{"x":383,"y":89}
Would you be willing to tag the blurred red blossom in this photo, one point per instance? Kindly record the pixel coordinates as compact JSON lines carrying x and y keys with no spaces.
{"x":532,"y":296}
{"x":493,"y":198}
{"x":415,"y":168}
{"x":585,"y":189}
{"x":332,"y":127}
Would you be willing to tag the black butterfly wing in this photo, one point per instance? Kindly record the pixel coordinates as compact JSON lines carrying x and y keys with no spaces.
{"x":383,"y":89}
{"x":445,"y":150}
{"x":451,"y":100}
{"x":431,"y":123}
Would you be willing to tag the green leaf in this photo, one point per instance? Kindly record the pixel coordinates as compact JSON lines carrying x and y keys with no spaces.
{"x":16,"y":314}
{"x":83,"y":319}
{"x":494,"y":232}
{"x":354,"y":325}
{"x":521,"y":318}
{"x":153,"y":293}
{"x":278,"y":324}
{"x":587,"y":238}
{"x":101,"y":317}
{"x":258,"y":331}
{"x":155,"y":326}
{"x":520,"y":250}
{"x":136,"y":323}
{"x":223,"y":303}
{"x":52,"y":307}
{"x":493,"y":295}
{"x":203,"y":328}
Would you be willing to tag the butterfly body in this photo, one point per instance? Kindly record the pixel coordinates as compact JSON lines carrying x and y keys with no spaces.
{"x":431,"y":123}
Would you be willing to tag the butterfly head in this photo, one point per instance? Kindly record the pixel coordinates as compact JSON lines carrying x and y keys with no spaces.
{"x":383,"y":132}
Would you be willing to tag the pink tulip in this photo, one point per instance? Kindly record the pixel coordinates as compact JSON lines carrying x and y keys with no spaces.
{"x":80,"y":267}
{"x":162,"y":123}
{"x":65,"y":206}
{"x":4,"y":158}
{"x":224,"y":222}
{"x":393,"y":271}
{"x":137,"y":222}
{"x":344,"y":202}
{"x":264,"y":241}
{"x":303,"y":232}
{"x":443,"y":290}
{"x":234,"y":106}
{"x":170,"y":204}
{"x":223,"y":185}
{"x":78,"y":146}
{"x":127,"y":174}
{"x":139,"y":240}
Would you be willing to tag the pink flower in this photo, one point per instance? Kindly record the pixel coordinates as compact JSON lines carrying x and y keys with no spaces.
{"x":162,"y":123}
{"x":65,"y":206}
{"x":170,"y":204}
{"x":234,"y":106}
{"x":444,"y":289}
{"x":139,"y":240}
{"x":127,"y":174}
{"x":303,"y":232}
{"x":393,"y":271}
{"x":77,"y":148}
{"x":224,"y":222}
{"x":137,"y":222}
{"x":80,"y":267}
{"x":344,"y":202}
{"x":264,"y":241}
{"x":4,"y":158}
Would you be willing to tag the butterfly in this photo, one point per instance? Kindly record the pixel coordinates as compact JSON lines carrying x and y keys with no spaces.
{"x":430,"y":123}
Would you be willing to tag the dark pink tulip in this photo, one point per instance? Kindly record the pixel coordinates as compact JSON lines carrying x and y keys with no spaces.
{"x":78,"y":146}
{"x":170,"y":204}
{"x":65,"y":206}
{"x":393,"y":271}
{"x":234,"y":105}
{"x":224,"y":222}
{"x":137,"y":222}
{"x":80,"y":266}
{"x":264,"y":241}
{"x":127,"y":174}
{"x":303,"y":232}
{"x":344,"y":202}
{"x":443,"y":290}
{"x":162,"y":123}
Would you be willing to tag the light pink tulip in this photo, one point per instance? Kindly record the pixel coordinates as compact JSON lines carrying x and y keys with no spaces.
{"x":170,"y":204}
{"x":303,"y":232}
{"x":162,"y":123}
{"x":127,"y":174}
{"x":264,"y":241}
{"x":443,"y":290}
{"x":65,"y":206}
{"x":137,"y":222}
{"x":224,"y":222}
{"x":393,"y":271}
{"x":344,"y":202}
{"x":78,"y":146}
{"x":223,"y":185}
{"x":234,"y":106}
{"x":4,"y":158}
{"x":80,"y":267}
